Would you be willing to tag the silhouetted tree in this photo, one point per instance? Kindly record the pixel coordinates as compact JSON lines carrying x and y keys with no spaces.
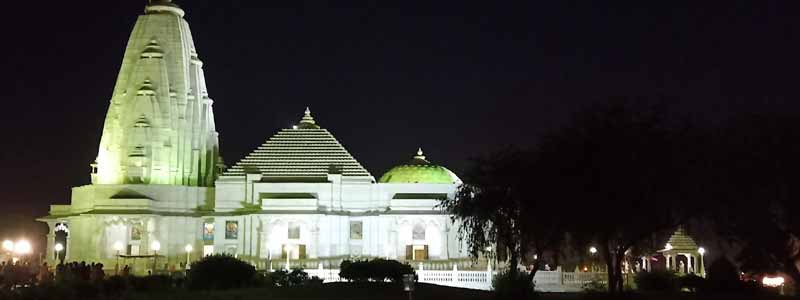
{"x":626,"y":171}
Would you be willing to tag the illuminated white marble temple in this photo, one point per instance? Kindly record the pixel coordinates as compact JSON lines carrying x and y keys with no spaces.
{"x":158,"y":183}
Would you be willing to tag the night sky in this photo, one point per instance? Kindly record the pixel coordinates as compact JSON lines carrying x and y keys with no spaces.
{"x":458,"y":78}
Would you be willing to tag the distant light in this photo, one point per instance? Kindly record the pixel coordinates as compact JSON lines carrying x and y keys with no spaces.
{"x":118,"y":246}
{"x":592,"y":250}
{"x":188,"y":248}
{"x":536,"y":256}
{"x":294,"y":126}
{"x":58,"y":247}
{"x":22,"y":247}
{"x":701,"y":250}
{"x":489,"y":249}
{"x":155,"y":246}
{"x":8,"y":245}
{"x":772,"y":281}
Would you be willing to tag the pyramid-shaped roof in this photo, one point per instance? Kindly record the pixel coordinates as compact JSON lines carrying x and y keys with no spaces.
{"x":681,"y":241}
{"x":302,"y":153}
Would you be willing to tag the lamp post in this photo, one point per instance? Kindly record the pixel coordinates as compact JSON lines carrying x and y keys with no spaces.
{"x":118,"y":248}
{"x":702,"y":268}
{"x":58,"y":248}
{"x":155,"y":246}
{"x":188,"y":249}
{"x":593,"y":251}
{"x":22,"y":248}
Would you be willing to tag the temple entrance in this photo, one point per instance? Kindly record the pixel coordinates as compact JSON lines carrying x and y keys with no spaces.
{"x":417,"y":252}
{"x":61,"y":238}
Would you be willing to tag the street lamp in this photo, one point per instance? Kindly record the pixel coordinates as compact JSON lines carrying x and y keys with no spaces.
{"x":188,"y":249}
{"x":8,"y":246}
{"x":702,"y":252}
{"x":22,"y":247}
{"x":59,"y":247}
{"x":593,"y":251}
{"x":155,"y":246}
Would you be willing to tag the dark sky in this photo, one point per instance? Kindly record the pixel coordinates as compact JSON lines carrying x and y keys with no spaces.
{"x":457,"y":78}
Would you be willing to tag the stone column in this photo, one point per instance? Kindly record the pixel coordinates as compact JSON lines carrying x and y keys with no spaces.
{"x":51,"y":243}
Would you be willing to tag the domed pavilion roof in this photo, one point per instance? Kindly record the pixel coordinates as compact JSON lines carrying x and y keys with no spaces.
{"x":420,"y":170}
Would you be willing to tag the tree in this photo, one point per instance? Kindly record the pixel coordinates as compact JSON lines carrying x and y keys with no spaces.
{"x":628,"y":173}
{"x":756,"y":194}
{"x":497,"y":207}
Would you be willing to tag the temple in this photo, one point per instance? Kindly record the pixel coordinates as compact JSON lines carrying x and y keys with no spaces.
{"x":160,"y":197}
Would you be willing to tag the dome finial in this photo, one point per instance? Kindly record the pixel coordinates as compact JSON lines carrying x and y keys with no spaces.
{"x":420,"y":155}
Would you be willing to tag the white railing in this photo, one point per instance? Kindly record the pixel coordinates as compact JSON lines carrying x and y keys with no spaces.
{"x":546,"y":281}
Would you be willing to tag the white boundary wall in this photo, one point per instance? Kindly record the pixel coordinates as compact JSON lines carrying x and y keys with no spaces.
{"x":546,"y":281}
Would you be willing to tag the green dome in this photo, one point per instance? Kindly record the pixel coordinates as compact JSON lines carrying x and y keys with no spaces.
{"x":420,"y":170}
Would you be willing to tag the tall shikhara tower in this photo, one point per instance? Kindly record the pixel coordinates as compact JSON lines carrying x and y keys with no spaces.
{"x":159,"y":128}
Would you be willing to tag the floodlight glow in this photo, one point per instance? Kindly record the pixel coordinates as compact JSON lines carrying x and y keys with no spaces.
{"x":155,"y":246}
{"x":701,"y":250}
{"x":8,"y":245}
{"x":188,"y":248}
{"x":22,"y":247}
{"x":58,"y":247}
{"x":592,"y":250}
{"x":772,"y":281}
{"x":118,"y":246}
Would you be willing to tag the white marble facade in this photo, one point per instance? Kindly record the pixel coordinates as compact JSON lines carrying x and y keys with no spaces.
{"x":158,"y":179}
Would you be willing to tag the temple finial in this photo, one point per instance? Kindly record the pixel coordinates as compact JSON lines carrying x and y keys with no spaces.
{"x":420,"y":154}
{"x":308,"y":121}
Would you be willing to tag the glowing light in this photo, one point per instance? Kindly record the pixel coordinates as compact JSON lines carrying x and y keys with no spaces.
{"x":536,"y":256}
{"x":58,"y":247}
{"x":701,"y":250}
{"x":22,"y":247}
{"x":772,"y":281}
{"x":8,"y":245}
{"x":668,"y":246}
{"x":188,"y":248}
{"x":592,"y":250}
{"x":118,"y":246}
{"x":155,"y":246}
{"x":489,"y":249}
{"x":294,"y":127}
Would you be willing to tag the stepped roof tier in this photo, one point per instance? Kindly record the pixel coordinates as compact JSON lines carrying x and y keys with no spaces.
{"x":680,"y":241}
{"x":304,"y":153}
{"x":420,"y":170}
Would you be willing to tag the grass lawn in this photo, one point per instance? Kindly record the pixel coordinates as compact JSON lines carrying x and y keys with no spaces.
{"x":370,"y":291}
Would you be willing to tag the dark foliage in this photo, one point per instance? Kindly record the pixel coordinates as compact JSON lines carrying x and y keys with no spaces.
{"x":658,"y":281}
{"x":723,"y":276}
{"x":374,"y":270}
{"x":220,"y":271}
{"x":513,"y":285}
{"x":692,"y":283}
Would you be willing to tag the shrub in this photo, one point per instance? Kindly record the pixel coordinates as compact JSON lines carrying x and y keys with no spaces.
{"x":297,"y":277}
{"x":374,"y":270}
{"x":151,"y":283}
{"x":220,"y":271}
{"x":516,"y":285}
{"x":595,"y":286}
{"x":657,"y":281}
{"x":723,"y":276}
{"x":692,"y":282}
{"x":314,"y":281}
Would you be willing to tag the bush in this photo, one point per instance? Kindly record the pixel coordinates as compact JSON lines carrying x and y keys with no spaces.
{"x":723,"y":276}
{"x":221,"y":272}
{"x":595,"y":286}
{"x":374,"y":270}
{"x":151,"y":283}
{"x":508,"y":285}
{"x":692,"y":282}
{"x":657,"y":281}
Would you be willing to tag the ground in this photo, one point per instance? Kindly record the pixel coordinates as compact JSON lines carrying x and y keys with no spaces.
{"x":394,"y":292}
